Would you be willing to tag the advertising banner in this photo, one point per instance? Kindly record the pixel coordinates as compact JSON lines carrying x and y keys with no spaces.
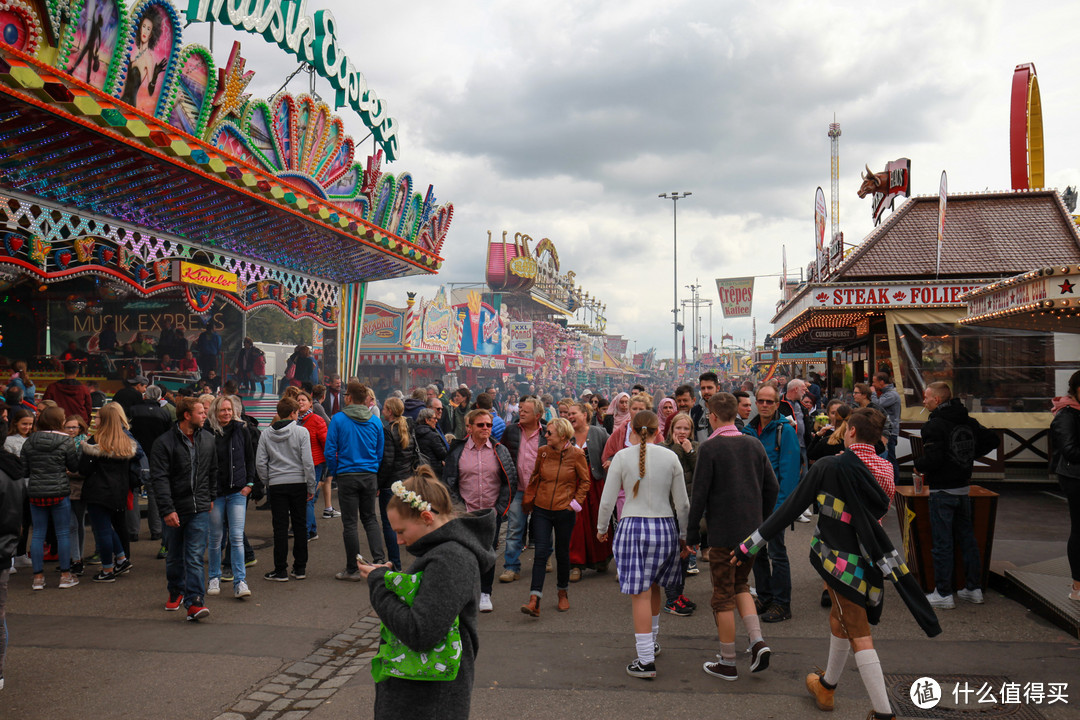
{"x":820,"y":214}
{"x":382,"y":326}
{"x":521,"y":338}
{"x":434,"y":324}
{"x":943,"y":200}
{"x":480,"y":327}
{"x":736,"y":296}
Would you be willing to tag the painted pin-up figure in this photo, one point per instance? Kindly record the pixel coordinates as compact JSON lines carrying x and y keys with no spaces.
{"x":92,"y":47}
{"x":143,"y":72}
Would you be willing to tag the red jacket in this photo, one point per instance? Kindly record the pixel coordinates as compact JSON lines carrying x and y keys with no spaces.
{"x":71,"y":395}
{"x":316,"y":426}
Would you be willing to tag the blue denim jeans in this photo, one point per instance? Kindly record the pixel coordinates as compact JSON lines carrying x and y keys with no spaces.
{"x":950,"y":525}
{"x":108,"y":542}
{"x":230,"y":510}
{"x":515,"y":533}
{"x":311,"y":527}
{"x":184,"y":563}
{"x":772,"y":573}
{"x":544,"y":523}
{"x":61,"y":517}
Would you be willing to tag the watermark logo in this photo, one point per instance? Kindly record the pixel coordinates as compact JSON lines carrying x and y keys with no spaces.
{"x":925,"y":693}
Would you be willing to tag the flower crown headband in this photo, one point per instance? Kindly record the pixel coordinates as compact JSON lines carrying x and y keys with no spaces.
{"x":410,"y":498}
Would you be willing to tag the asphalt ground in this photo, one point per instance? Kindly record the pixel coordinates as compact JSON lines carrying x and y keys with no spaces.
{"x":112,"y":651}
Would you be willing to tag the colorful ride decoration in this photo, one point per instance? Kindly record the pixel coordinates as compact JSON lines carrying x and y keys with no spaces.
{"x":510,"y":266}
{"x":1026,"y":130}
{"x":136,"y":55}
{"x":20,"y":26}
{"x":57,"y":244}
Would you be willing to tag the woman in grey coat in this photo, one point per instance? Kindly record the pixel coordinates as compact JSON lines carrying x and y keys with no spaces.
{"x":452,"y":552}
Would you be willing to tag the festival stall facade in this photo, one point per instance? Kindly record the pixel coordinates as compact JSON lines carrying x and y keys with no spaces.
{"x":889,"y":306}
{"x":551,"y":320}
{"x":142,"y":188}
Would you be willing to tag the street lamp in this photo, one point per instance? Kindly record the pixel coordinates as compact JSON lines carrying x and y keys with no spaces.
{"x":675,"y":197}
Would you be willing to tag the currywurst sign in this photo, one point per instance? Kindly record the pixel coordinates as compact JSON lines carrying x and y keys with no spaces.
{"x":312,"y":39}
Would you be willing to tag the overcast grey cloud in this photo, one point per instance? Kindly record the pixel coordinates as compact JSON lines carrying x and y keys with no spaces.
{"x":566,"y":119}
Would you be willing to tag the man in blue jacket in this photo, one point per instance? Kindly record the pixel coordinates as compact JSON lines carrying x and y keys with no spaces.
{"x":354,"y":450}
{"x":772,"y":573}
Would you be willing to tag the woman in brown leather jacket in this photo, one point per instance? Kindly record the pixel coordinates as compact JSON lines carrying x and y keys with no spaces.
{"x":559,"y":484}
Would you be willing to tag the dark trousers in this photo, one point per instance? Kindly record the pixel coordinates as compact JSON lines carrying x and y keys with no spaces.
{"x":487,"y":578}
{"x":1071,"y":488}
{"x":950,"y":525}
{"x":288,"y":504}
{"x":673,"y":591}
{"x":393,"y":552}
{"x":544,"y":523}
{"x":772,"y":573}
{"x":357,"y":497}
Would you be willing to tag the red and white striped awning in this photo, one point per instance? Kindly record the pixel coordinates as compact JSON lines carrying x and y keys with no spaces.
{"x":409,"y":358}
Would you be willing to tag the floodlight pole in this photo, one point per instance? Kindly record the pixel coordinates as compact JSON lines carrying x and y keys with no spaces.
{"x":675,"y":197}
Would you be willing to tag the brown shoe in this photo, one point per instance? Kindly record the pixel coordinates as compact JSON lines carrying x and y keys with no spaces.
{"x":532,"y":607}
{"x":823,"y":696}
{"x":575,"y":574}
{"x":564,"y":601}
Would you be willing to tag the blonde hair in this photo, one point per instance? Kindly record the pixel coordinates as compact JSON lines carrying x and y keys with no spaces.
{"x":645,"y":425}
{"x":430,"y":489}
{"x":215,"y":424}
{"x":675,"y":420}
{"x":396,"y":408}
{"x":111,"y":434}
{"x":561,"y":427}
{"x":642,"y":398}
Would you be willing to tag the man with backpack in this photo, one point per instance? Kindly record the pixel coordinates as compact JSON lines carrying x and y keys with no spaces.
{"x":772,"y":571}
{"x":951,"y":441}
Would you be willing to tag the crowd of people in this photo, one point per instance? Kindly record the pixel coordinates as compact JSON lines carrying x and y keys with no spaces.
{"x":662,"y":484}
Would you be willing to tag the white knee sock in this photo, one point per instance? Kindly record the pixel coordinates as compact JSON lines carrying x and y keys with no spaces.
{"x":644,"y":642}
{"x":870,"y":670}
{"x":752,"y":623}
{"x":838,"y":653}
{"x":727,"y":653}
{"x":655,"y":627}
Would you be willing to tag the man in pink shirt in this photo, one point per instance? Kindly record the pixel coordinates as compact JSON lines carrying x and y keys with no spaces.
{"x":480,"y":473}
{"x":523,"y":440}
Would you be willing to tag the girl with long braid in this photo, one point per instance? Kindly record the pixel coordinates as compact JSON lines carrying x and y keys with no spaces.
{"x":647,"y":541}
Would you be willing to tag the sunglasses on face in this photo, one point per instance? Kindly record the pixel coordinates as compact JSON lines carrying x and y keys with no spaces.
{"x":481,"y":425}
{"x":766,"y":402}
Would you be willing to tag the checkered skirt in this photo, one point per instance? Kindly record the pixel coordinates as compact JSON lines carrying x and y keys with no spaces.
{"x":646,"y":552}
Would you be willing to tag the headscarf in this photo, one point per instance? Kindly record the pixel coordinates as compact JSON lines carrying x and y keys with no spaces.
{"x":660,"y":414}
{"x":613,"y":409}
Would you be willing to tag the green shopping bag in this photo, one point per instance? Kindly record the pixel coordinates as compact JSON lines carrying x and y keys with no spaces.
{"x":396,"y":659}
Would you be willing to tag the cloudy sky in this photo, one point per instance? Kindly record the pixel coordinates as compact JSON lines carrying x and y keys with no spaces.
{"x":567,"y":119}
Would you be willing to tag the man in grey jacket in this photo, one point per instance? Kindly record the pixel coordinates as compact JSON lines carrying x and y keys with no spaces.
{"x":889,"y":401}
{"x":283,"y":461}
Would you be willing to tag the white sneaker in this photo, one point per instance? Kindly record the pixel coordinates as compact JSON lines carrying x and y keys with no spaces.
{"x":972,"y":596}
{"x":942,"y":602}
{"x":241,"y":590}
{"x":23,"y":561}
{"x":485,"y":603}
{"x":805,"y":517}
{"x":214,"y":586}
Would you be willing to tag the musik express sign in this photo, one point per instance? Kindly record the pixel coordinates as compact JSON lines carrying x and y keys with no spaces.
{"x":312,"y":39}
{"x":211,"y":277}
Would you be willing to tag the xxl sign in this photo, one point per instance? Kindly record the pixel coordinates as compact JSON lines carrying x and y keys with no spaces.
{"x":312,"y":39}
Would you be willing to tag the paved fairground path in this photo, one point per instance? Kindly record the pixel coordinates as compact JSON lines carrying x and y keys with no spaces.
{"x":301,"y":649}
